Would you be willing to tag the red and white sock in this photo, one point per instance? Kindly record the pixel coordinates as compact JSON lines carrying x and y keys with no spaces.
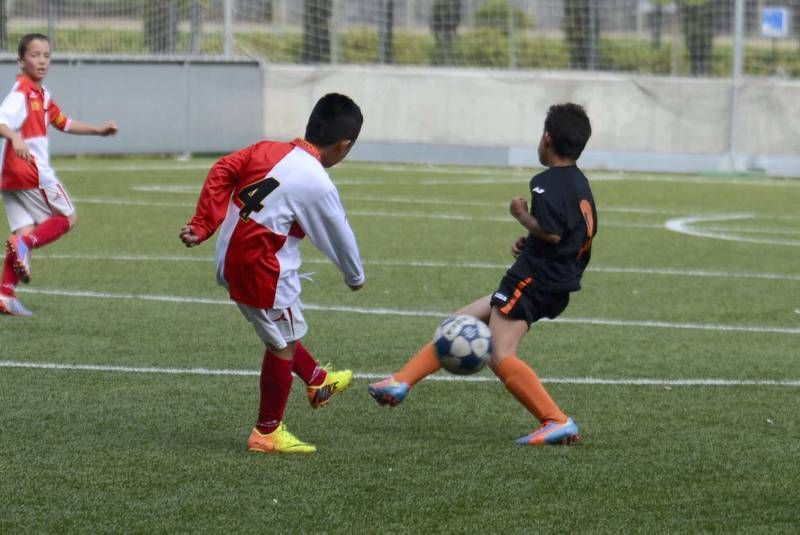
{"x":306,"y":366}
{"x":47,"y":232}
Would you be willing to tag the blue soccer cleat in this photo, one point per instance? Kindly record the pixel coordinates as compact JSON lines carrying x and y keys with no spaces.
{"x":21,"y":255}
{"x":11,"y":306}
{"x":552,"y":433}
{"x":389,"y":391}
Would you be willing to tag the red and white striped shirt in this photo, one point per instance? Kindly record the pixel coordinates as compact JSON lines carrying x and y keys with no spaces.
{"x":267,"y":197}
{"x":28,"y":109}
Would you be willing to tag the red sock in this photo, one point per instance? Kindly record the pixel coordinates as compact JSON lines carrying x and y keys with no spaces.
{"x":48,"y":231}
{"x":306,"y":367}
{"x":275,"y":384}
{"x":10,"y":279}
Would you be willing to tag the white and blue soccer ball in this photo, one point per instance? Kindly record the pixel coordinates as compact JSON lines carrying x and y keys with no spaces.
{"x":463,"y":344}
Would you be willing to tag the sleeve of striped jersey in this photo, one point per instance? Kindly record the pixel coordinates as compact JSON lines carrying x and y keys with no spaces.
{"x":325,"y":224}
{"x":57,"y":118}
{"x":13,"y":110}
{"x":216,"y":193}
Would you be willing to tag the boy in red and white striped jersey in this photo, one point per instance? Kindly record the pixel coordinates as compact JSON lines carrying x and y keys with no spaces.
{"x":266,"y":198}
{"x":37,"y":206}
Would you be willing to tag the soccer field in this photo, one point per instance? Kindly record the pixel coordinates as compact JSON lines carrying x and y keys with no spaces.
{"x":127,"y":398}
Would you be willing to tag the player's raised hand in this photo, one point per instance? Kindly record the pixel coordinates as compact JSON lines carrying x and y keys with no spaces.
{"x":518,"y":246}
{"x":109,"y":129}
{"x":188,"y":237}
{"x":518,"y":207}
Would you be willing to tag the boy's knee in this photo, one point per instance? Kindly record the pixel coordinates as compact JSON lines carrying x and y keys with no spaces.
{"x":73,"y":220}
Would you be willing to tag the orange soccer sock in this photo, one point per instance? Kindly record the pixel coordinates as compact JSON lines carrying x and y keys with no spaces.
{"x":421,"y":365}
{"x":524,"y":384}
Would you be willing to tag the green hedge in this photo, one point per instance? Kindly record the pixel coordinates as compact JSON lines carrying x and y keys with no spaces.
{"x":481,"y":47}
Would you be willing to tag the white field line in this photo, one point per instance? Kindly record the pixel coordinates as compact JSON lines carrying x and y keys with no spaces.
{"x":178,"y":166}
{"x":195,"y":189}
{"x":459,"y":171}
{"x":379,"y":311}
{"x":685,"y":225}
{"x":434,"y":264}
{"x":360,"y":213}
{"x":372,"y":376}
{"x":745,"y":230}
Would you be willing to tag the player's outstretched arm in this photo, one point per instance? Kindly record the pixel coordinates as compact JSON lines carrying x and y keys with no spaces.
{"x":212,"y":204}
{"x":325,"y":224}
{"x":80,"y":128}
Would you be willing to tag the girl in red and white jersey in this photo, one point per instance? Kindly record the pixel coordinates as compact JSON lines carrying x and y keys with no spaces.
{"x":37,"y":206}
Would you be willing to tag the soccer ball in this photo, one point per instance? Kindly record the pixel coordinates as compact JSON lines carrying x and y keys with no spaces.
{"x":463,"y":344}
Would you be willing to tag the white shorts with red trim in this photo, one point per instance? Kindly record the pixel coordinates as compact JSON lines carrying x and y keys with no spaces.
{"x":25,"y":207}
{"x":277,"y":326}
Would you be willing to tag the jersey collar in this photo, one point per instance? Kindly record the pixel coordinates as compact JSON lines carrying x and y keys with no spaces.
{"x":27,"y":83}
{"x":306,"y":146}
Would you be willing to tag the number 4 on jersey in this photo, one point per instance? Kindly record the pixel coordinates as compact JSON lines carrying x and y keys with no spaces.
{"x":252,"y":195}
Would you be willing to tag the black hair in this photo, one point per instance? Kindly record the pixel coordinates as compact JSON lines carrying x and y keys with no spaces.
{"x":569,"y":129}
{"x":335,"y":117}
{"x":26,"y":40}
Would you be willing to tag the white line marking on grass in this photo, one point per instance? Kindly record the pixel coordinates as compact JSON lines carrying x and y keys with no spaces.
{"x":169,"y":188}
{"x":435,"y":264}
{"x":195,"y":189}
{"x":371,"y":376}
{"x":358,"y":213}
{"x":178,"y":166}
{"x":129,"y":202}
{"x":684,"y":225}
{"x":423,"y":313}
{"x":743,"y":230}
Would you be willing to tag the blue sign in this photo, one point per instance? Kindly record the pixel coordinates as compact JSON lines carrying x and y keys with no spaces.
{"x":775,"y":22}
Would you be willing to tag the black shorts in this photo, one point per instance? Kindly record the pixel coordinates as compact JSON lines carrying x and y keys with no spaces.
{"x":524,"y":300}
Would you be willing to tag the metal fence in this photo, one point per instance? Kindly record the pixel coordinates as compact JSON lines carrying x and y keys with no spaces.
{"x":702,"y":38}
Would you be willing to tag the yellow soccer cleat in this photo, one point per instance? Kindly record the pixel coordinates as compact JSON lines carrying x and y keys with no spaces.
{"x":279,"y":441}
{"x":334,"y":383}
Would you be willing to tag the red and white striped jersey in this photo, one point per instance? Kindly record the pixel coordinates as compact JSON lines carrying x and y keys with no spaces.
{"x":28,"y":109}
{"x":267,"y":197}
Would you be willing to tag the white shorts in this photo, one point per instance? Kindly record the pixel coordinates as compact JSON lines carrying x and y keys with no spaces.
{"x":25,"y":207}
{"x":277,"y":326}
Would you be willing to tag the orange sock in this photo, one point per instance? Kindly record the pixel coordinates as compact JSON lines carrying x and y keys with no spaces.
{"x":524,"y":384}
{"x":421,"y":365}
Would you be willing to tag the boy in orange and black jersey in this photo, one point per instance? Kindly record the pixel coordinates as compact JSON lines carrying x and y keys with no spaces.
{"x":550,"y":262}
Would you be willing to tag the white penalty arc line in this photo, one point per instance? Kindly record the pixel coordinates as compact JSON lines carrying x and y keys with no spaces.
{"x":373,"y":376}
{"x":439,"y":264}
{"x":684,"y":225}
{"x":762,"y":329}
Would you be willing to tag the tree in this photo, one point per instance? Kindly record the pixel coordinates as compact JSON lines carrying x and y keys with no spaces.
{"x":697,"y":22}
{"x":316,"y":31}
{"x":386,"y":32}
{"x":495,"y":15}
{"x":657,"y":22}
{"x":581,"y":26}
{"x":444,"y":21}
{"x":3,"y":25}
{"x":161,"y":26}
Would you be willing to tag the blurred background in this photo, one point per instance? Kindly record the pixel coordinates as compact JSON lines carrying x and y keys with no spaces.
{"x":688,"y":85}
